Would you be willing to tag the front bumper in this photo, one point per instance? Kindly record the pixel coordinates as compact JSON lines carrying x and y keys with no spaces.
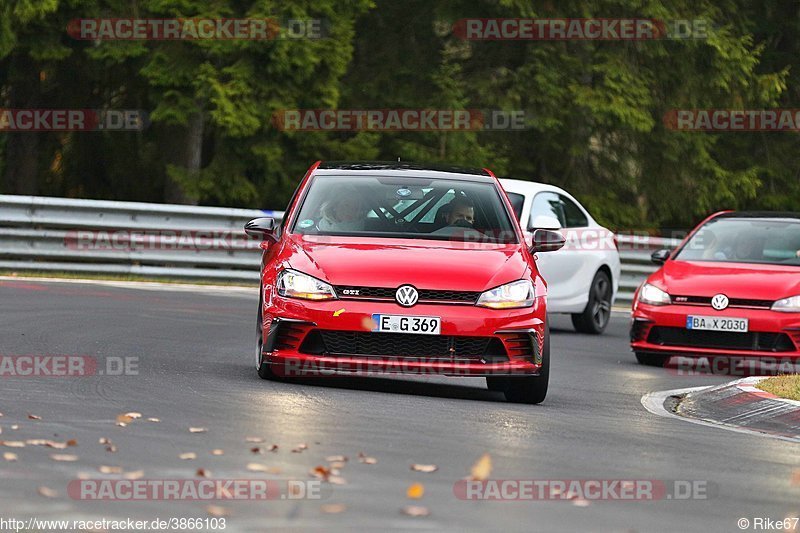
{"x":662,"y":329}
{"x":297,"y":339}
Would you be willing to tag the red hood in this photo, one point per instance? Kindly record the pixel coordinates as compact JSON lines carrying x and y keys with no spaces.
{"x":735,"y":280}
{"x":392,"y":262}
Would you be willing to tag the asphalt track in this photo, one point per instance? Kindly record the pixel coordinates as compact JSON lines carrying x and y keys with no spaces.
{"x":195,"y":369}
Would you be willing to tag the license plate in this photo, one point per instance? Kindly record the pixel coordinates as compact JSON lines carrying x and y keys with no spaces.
{"x":427,"y":325}
{"x":717,"y":323}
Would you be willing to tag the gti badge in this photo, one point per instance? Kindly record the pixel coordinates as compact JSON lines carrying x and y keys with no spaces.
{"x":719,"y":302}
{"x":406,"y":295}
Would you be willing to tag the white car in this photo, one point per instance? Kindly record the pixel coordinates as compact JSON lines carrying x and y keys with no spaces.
{"x":583,"y":277}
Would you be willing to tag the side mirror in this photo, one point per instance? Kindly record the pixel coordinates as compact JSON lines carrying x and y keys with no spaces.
{"x":261,"y":228}
{"x":660,"y":257}
{"x":544,"y":222}
{"x":547,"y":241}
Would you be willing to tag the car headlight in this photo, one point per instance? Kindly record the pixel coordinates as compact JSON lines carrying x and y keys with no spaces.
{"x":650,"y":294}
{"x":515,"y":294}
{"x":787,"y":305}
{"x":294,"y":284}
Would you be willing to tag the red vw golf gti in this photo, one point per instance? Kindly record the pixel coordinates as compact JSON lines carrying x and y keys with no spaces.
{"x":732,"y":288}
{"x":399,"y":268}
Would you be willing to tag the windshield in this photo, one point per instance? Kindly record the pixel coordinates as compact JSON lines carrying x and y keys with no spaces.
{"x":743,"y":240}
{"x":407,"y":208}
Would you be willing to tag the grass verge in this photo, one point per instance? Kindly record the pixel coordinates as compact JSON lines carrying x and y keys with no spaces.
{"x":784,"y":386}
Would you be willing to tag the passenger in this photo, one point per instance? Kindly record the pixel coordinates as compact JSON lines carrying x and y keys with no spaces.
{"x":345,"y":212}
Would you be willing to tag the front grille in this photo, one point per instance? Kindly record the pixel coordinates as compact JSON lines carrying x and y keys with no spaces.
{"x":732,"y":302}
{"x":752,"y":341}
{"x":405,"y":345}
{"x":425,"y":295}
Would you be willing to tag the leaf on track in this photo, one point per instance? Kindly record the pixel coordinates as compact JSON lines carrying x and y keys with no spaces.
{"x":64,"y":457}
{"x":198,"y":430}
{"x":333,"y":508}
{"x":34,"y":417}
{"x":10,"y":457}
{"x":482,"y":468}
{"x":367,"y":460}
{"x":217,"y":511}
{"x":300,"y":447}
{"x":103,"y":469}
{"x":415,"y":491}
{"x":153,"y":419}
{"x":136,"y":474}
{"x":273,"y":448}
{"x":202,"y":472}
{"x":188,"y":456}
{"x":424,"y":468}
{"x":217,"y":452}
{"x":254,"y":440}
{"x":47,"y":492}
{"x":336,"y":458}
{"x":12,"y":443}
{"x":133,"y":415}
{"x":415,"y":510}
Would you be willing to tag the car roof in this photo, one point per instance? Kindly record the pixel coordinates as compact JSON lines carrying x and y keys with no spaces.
{"x":759,"y":214}
{"x":402,"y":169}
{"x":529,"y":187}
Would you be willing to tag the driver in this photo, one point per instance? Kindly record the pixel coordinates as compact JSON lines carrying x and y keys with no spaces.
{"x":460,"y":212}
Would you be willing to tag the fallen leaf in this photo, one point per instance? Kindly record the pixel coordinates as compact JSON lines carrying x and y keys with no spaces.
{"x":72,"y":442}
{"x":337,"y":480}
{"x":336,"y":465}
{"x":254,"y":440}
{"x":134,"y":415}
{"x":34,"y":417}
{"x":104,"y":440}
{"x":217,"y":452}
{"x":217,"y":511}
{"x":136,"y":474}
{"x":580,"y":502}
{"x":321,"y":472}
{"x":257,"y":467}
{"x":366,"y":459}
{"x":12,"y":443}
{"x":299,"y":448}
{"x":124,"y":419}
{"x":10,"y":457}
{"x":796,"y":477}
{"x":198,"y":430}
{"x":109,"y":469}
{"x":424,"y":468}
{"x":255,"y":449}
{"x":15,"y":427}
{"x":188,"y":456}
{"x":47,"y":492}
{"x":333,"y":508}
{"x":482,"y":468}
{"x":154,"y":419}
{"x":415,"y":491}
{"x":273,"y":448}
{"x":112,"y":448}
{"x":415,"y":510}
{"x":336,"y":459}
{"x":63,"y":457}
{"x":202,"y":472}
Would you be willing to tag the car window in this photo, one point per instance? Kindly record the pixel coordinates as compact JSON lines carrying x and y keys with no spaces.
{"x":573,"y":214}
{"x":405,"y":207}
{"x":548,"y":204}
{"x":517,"y":201}
{"x":745,"y":240}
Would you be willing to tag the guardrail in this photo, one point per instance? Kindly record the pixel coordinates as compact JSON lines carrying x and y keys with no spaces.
{"x":176,"y":241}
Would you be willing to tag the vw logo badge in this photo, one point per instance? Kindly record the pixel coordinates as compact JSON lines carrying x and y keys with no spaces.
{"x":406,"y":295}
{"x":719,"y":302}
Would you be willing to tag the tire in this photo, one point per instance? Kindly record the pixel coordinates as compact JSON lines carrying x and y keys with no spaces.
{"x":597,"y":314}
{"x":263,"y":368}
{"x":495,"y":384}
{"x":651,"y":359}
{"x":532,"y":389}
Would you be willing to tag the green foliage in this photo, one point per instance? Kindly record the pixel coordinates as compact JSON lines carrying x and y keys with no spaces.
{"x":594,"y":109}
